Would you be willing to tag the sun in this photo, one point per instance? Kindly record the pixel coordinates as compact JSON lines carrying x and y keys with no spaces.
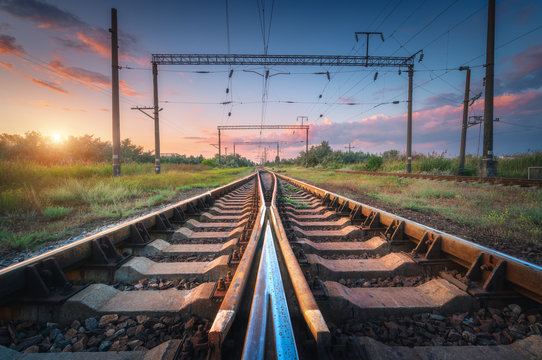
{"x":57,"y":138}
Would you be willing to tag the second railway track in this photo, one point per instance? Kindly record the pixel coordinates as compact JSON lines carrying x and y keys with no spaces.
{"x":271,"y":267}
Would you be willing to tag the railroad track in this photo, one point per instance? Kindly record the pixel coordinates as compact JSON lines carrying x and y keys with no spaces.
{"x":495,"y":181}
{"x":268,"y":266}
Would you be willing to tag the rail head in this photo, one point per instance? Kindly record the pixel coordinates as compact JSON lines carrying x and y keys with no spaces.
{"x":230,"y":304}
{"x":525,"y":277}
{"x":311,"y":312}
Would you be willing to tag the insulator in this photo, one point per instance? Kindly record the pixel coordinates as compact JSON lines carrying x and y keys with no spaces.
{"x":376,"y":76}
{"x":229,"y":114}
{"x":328,"y":77}
{"x":321,"y":115}
{"x":399,"y":71}
{"x":231,"y":73}
{"x":320,"y":96}
{"x":421,"y":58}
{"x":227,"y":90}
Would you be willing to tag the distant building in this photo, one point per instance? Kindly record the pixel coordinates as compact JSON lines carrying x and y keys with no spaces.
{"x":169,"y":154}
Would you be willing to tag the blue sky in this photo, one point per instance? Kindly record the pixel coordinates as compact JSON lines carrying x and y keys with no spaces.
{"x":55,"y":58}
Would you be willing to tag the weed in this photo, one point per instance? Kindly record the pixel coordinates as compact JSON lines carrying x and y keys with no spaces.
{"x":11,"y":199}
{"x":155,"y":200}
{"x":56,"y":212}
{"x":297,"y":204}
{"x":435,"y":193}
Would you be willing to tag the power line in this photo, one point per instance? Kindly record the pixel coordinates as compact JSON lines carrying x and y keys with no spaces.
{"x":523,"y":126}
{"x":428,"y":24}
{"x":508,"y":42}
{"x":389,"y":14}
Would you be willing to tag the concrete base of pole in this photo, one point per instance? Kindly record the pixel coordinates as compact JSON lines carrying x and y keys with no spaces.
{"x":488,"y":168}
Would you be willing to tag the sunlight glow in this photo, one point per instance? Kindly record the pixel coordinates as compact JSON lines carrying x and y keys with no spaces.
{"x":57,"y":138}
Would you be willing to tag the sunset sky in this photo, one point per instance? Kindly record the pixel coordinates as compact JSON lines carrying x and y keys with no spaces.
{"x":56,"y":72}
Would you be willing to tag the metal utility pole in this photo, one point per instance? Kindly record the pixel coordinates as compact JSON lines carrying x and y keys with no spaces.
{"x":465,"y":121}
{"x":349,"y":147}
{"x":307,"y":148}
{"x":302,"y":118}
{"x":409,"y":121}
{"x":277,"y":160}
{"x":115,"y":92}
{"x":219,"y":148}
{"x":488,"y":167}
{"x":156,"y":119}
{"x":157,"y":135}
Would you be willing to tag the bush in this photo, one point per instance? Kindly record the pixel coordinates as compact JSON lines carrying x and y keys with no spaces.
{"x":373,"y":163}
{"x":209,"y":162}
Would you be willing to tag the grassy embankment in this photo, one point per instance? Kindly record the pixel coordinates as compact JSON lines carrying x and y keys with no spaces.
{"x":509,"y":212}
{"x":511,"y":167}
{"x":40,"y":203}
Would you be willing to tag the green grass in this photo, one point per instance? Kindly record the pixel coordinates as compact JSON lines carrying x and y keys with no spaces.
{"x":297,"y":204}
{"x":506,"y":211}
{"x":89,"y":194}
{"x":514,"y":166}
{"x":56,"y":212}
{"x":432,"y":192}
{"x":31,"y":240}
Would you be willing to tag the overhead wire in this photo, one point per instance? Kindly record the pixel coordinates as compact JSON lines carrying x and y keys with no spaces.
{"x":402,"y":45}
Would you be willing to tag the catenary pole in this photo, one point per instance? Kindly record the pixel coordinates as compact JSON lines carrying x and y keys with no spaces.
{"x":156,"y":118}
{"x":465,"y":120}
{"x":409,"y":122}
{"x":115,"y":92}
{"x":489,"y":165}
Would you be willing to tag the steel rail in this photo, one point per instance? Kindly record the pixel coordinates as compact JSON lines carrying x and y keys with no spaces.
{"x":12,"y":278}
{"x":307,"y":304}
{"x":269,"y":298}
{"x":230,"y":304}
{"x":526,"y":278}
{"x":497,"y":180}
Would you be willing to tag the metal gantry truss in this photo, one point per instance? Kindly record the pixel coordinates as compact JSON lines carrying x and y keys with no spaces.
{"x":303,"y":60}
{"x":265,"y":127}
{"x":285,"y":60}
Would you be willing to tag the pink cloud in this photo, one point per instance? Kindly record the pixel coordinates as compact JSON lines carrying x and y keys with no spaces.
{"x":88,"y":78}
{"x":526,"y":62}
{"x":98,"y":45}
{"x":48,"y":84}
{"x":8,"y":45}
{"x":347,"y":100}
{"x":6,"y":65}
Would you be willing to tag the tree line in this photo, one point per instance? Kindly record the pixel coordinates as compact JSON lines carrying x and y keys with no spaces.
{"x":35,"y":147}
{"x":323,"y":155}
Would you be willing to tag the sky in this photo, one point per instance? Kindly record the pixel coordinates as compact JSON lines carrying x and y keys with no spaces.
{"x":55,"y":69}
